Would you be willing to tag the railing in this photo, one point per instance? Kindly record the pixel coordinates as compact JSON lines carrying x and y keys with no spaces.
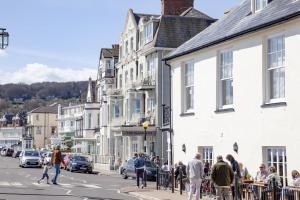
{"x":114,"y":92}
{"x":147,"y":82}
{"x":165,"y":179}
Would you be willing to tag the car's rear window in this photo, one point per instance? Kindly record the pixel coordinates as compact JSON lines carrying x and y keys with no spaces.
{"x":32,"y":153}
{"x":80,"y":158}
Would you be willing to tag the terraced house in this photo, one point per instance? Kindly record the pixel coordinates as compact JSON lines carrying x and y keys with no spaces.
{"x":238,"y":81}
{"x":139,"y":90}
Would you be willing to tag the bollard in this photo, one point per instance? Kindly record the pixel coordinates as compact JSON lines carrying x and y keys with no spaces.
{"x":145,"y":178}
{"x":180,"y":178}
{"x":172,"y":179}
{"x":157,"y":178}
{"x":274,"y":189}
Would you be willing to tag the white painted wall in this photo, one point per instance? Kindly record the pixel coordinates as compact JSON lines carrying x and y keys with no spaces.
{"x":251,"y":126}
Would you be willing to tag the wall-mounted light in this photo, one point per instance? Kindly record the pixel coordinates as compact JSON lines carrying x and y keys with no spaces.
{"x":184,"y":148}
{"x":235,"y":147}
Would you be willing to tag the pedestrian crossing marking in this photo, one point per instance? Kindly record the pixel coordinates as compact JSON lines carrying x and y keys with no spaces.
{"x":2,"y":183}
{"x":92,"y":186}
{"x":43,"y":184}
{"x":40,"y":185}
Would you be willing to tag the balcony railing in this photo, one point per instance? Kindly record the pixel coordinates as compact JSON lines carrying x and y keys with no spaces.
{"x":114,"y":92}
{"x":146,"y":83}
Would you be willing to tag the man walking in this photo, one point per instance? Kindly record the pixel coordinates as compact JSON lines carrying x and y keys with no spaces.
{"x":222,"y":176}
{"x":56,"y":160}
{"x":235,"y":188}
{"x":195,"y":174}
{"x":139,"y":164}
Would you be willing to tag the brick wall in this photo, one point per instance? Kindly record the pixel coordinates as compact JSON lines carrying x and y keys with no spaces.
{"x":175,"y":7}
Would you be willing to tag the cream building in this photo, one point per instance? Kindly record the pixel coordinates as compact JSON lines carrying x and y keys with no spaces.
{"x":238,"y":82}
{"x":134,"y":94}
{"x":42,"y":125}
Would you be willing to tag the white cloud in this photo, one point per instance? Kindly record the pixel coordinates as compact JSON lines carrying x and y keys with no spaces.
{"x":36,"y":72}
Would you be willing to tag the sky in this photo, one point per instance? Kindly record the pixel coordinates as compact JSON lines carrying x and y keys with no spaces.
{"x":60,"y":40}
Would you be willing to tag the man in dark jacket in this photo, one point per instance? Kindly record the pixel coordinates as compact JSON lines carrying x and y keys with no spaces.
{"x":222,"y":176}
{"x":139,"y":164}
{"x":235,"y":188}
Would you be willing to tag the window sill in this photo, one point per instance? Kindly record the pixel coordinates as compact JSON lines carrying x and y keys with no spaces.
{"x":187,"y":114}
{"x":270,"y":105}
{"x":224,"y":110}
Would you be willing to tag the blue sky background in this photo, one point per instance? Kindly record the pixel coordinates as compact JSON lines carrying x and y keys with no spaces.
{"x":61,"y":37}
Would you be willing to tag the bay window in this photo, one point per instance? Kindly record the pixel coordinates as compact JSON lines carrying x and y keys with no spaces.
{"x":148,"y":31}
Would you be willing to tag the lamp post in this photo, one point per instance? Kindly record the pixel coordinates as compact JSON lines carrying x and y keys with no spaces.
{"x":3,"y":38}
{"x":145,"y":126}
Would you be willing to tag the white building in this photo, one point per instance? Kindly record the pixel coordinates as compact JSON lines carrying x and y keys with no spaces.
{"x":136,"y":95}
{"x":69,"y":124}
{"x":238,"y":82}
{"x":10,"y":136}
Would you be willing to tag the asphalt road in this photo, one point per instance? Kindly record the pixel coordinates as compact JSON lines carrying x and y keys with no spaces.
{"x":21,"y":184}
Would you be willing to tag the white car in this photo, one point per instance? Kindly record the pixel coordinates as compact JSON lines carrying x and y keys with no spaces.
{"x":30,"y":158}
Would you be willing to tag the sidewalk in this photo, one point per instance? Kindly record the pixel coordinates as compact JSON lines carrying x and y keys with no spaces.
{"x":150,"y":193}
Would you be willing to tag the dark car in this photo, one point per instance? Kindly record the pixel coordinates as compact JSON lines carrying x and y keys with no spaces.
{"x":128,"y":170}
{"x":80,"y":163}
{"x":16,"y":154}
{"x":9,"y":152}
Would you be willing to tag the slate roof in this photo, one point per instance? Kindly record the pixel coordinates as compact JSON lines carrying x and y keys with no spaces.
{"x":175,"y":30}
{"x":240,"y":21}
{"x":192,"y":12}
{"x":109,"y":53}
{"x":46,"y":109}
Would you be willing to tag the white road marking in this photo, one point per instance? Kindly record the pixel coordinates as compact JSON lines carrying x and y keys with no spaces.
{"x":16,"y":184}
{"x":27,"y":175}
{"x":69,"y":192}
{"x":84,"y":181}
{"x":41,"y":185}
{"x":66,"y":185}
{"x":92,"y":186}
{"x":2,"y":183}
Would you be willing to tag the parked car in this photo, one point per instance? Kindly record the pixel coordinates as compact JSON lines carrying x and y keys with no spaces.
{"x":128,"y":169}
{"x":16,"y":154}
{"x":80,"y":163}
{"x":30,"y":158}
{"x":7,"y":152}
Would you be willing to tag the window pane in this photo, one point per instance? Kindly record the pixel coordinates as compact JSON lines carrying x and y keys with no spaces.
{"x":189,"y":97}
{"x":227,"y":90}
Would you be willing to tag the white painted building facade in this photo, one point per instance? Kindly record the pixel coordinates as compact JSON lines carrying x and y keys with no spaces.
{"x":242,"y":90}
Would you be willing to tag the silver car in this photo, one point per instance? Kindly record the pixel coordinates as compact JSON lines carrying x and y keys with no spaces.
{"x":30,"y":158}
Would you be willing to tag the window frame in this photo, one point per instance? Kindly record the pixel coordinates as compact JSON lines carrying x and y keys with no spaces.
{"x":267,"y":69}
{"x":220,"y":79}
{"x":263,"y":4}
{"x":184,"y":87}
{"x":148,"y":32}
{"x":207,"y":153}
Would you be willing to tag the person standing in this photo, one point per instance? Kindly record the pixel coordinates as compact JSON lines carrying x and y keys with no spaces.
{"x":195,"y":173}
{"x":56,"y":160}
{"x":139,"y":164}
{"x":235,"y":188}
{"x":222,"y":176}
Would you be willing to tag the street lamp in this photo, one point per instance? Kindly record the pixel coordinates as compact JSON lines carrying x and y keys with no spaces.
{"x":145,"y":126}
{"x":3,"y":38}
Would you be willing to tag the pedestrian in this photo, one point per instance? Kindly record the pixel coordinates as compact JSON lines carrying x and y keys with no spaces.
{"x":296,"y":178}
{"x":195,"y":173}
{"x":235,"y":188}
{"x":46,"y":167}
{"x":244,"y":172}
{"x":222,"y":177}
{"x":157,"y":161}
{"x":139,"y":164}
{"x":207,"y":169}
{"x":56,"y":160}
{"x":181,"y":170}
{"x":273,"y":176}
{"x":165,"y":173}
{"x":260,"y":177}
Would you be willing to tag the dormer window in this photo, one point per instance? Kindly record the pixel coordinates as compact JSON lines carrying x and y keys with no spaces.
{"x":148,"y":32}
{"x":258,"y":5}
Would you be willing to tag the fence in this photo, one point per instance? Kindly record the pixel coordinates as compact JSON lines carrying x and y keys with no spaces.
{"x":165,"y":179}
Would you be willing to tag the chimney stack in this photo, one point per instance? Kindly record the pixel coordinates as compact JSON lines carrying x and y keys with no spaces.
{"x":175,"y":7}
{"x":115,"y":46}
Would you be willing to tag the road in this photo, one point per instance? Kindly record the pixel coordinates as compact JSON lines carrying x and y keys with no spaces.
{"x":21,"y":184}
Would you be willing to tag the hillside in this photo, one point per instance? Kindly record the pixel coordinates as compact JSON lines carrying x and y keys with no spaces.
{"x":22,"y":97}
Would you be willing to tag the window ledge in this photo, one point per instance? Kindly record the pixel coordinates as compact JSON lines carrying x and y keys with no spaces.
{"x":270,"y":105}
{"x":187,"y":114}
{"x":224,"y":110}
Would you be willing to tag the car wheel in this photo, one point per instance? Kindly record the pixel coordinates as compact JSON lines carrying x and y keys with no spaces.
{"x":124,"y":174}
